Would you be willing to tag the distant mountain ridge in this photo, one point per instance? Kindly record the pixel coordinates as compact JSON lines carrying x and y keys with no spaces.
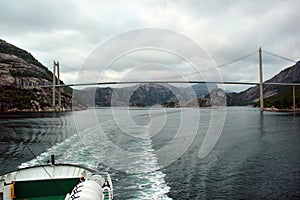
{"x":142,"y":95}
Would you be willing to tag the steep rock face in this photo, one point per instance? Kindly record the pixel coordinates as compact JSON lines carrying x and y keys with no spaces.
{"x":288,"y":75}
{"x":218,"y":97}
{"x":17,"y":72}
{"x":21,"y":76}
{"x":103,"y":97}
{"x":151,"y":94}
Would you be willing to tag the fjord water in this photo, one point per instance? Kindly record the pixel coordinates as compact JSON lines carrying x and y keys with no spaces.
{"x":256,"y":157}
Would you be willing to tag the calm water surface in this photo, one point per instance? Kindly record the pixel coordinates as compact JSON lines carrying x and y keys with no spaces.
{"x":256,"y":157}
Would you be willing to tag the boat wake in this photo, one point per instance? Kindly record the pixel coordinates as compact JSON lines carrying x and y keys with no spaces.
{"x":141,"y":179}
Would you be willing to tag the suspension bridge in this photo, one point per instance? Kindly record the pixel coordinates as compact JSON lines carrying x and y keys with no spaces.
{"x":187,"y":80}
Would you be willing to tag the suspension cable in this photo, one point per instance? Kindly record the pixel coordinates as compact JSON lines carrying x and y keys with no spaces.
{"x":278,"y":56}
{"x":237,"y":59}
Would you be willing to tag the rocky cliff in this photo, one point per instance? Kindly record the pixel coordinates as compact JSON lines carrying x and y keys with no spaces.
{"x":21,"y":76}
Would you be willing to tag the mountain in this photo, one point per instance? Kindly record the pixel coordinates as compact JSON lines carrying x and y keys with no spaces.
{"x":20,"y":81}
{"x":251,"y":95}
{"x":283,"y":100}
{"x":142,"y":95}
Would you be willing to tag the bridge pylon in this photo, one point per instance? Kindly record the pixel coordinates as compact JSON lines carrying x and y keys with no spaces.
{"x":261,"y":89}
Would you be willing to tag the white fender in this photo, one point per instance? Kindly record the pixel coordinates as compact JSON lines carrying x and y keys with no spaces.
{"x":87,"y":190}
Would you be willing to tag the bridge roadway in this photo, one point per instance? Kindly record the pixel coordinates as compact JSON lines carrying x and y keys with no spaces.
{"x":163,"y":82}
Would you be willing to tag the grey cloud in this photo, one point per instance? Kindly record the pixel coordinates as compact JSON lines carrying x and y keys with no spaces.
{"x":30,"y":15}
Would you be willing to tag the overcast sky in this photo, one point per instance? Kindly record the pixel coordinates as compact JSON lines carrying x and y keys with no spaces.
{"x":184,"y":36}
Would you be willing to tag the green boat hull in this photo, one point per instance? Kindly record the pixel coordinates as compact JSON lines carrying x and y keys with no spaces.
{"x":52,"y":189}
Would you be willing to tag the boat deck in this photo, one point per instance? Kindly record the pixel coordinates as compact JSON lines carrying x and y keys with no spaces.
{"x":42,"y":182}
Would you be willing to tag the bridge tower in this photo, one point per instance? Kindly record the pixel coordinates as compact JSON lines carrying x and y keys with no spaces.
{"x":261,"y":90}
{"x":56,"y":68}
